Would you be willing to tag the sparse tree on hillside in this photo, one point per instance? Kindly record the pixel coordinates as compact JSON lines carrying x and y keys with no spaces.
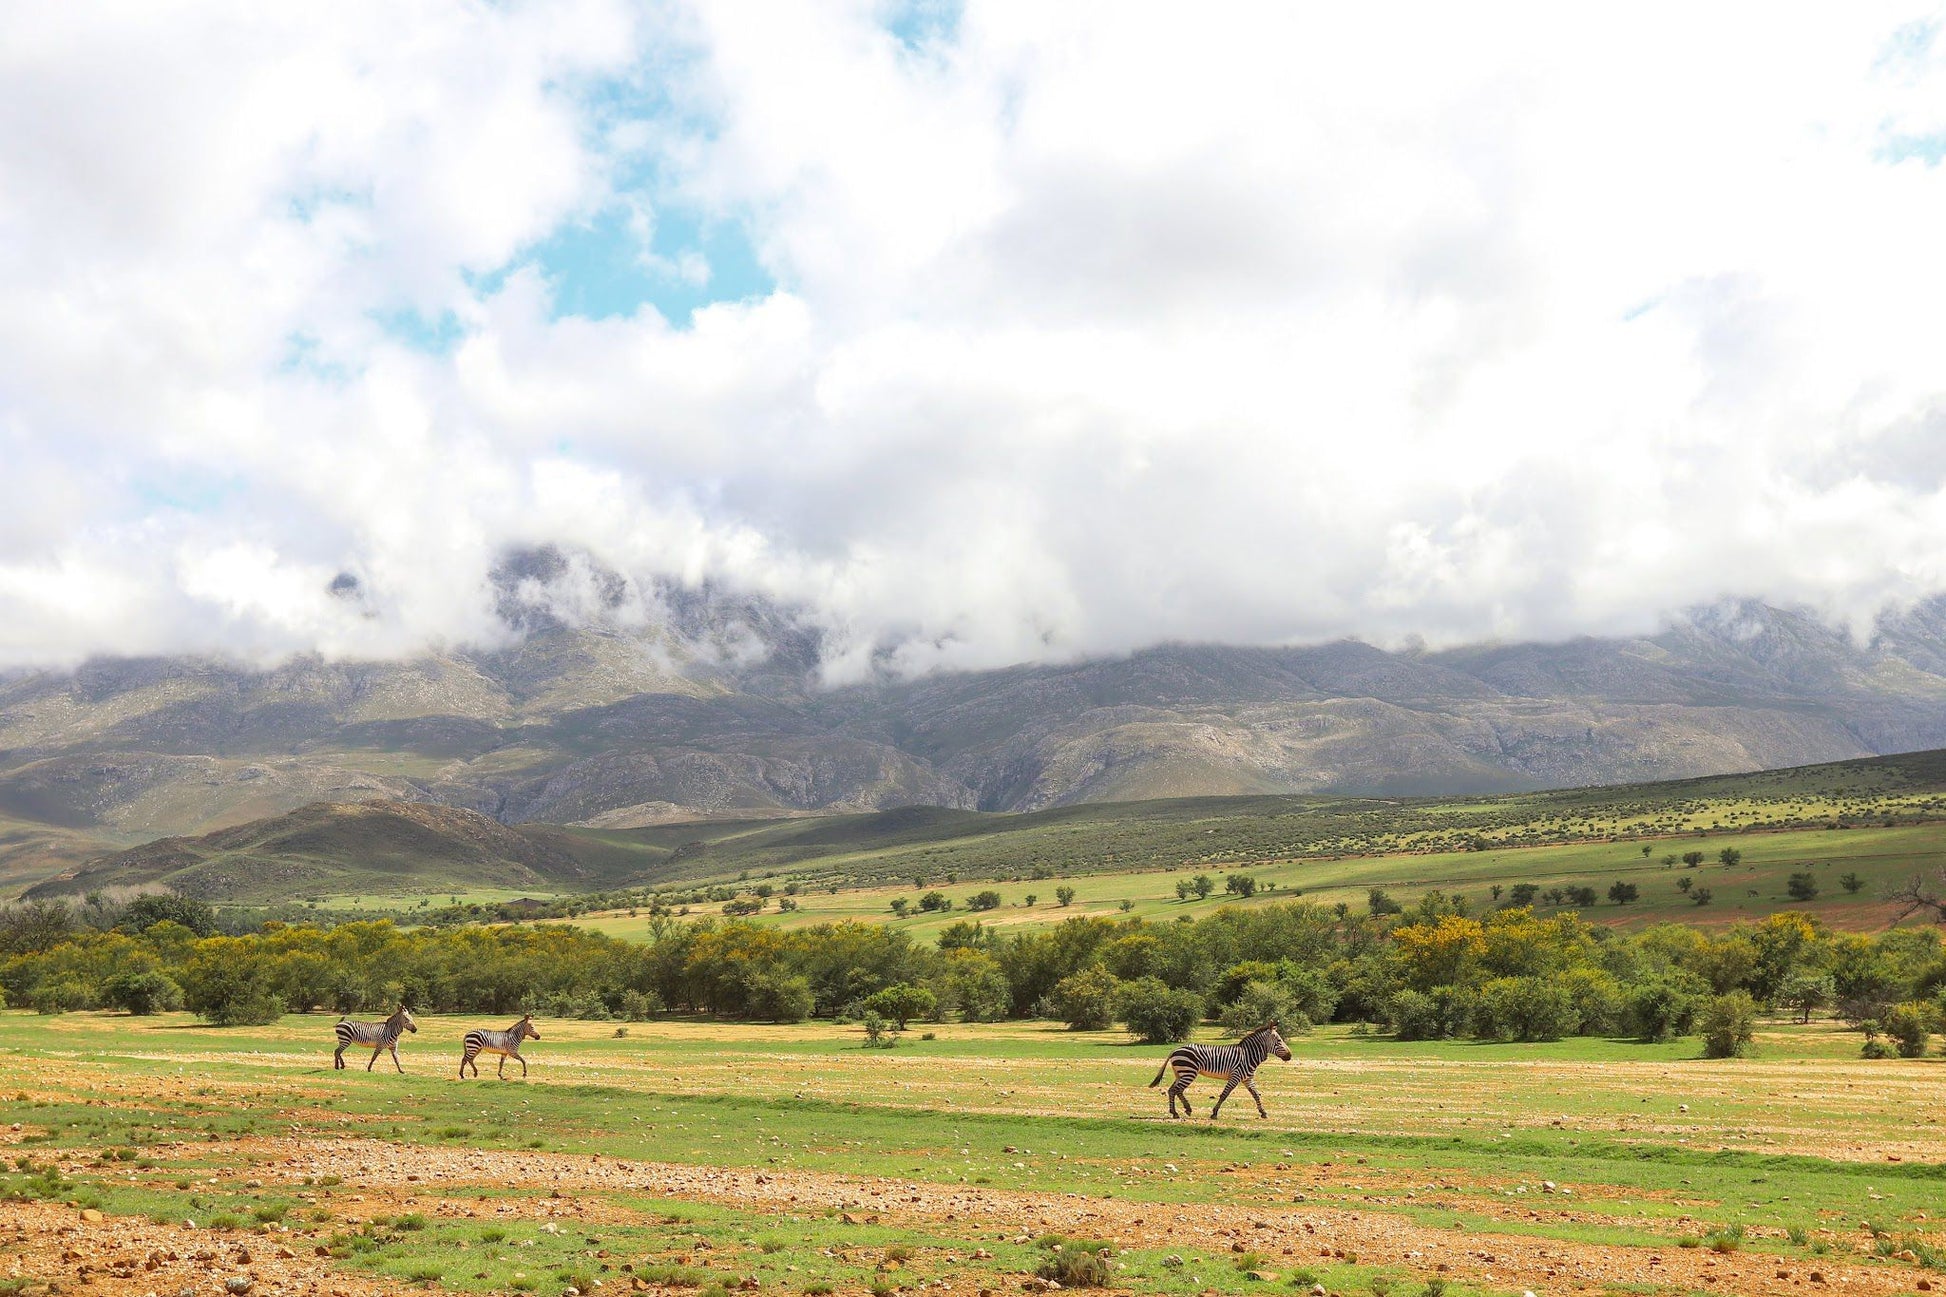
{"x":1730,"y":856}
{"x":1202,"y":885}
{"x":1803,"y":886}
{"x":1852,"y":883}
{"x":1064,"y":895}
{"x":1702,"y":895}
{"x":901,"y":906}
{"x":1692,"y":858}
{"x":1646,"y":850}
{"x":1622,"y":893}
{"x":1240,"y":885}
{"x":935,"y":901}
{"x":1684,"y":883}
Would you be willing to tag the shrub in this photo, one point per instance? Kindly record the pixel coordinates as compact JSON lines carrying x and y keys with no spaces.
{"x":1522,"y":894}
{"x":1157,"y":1014}
{"x":1729,"y":856}
{"x":1802,"y":886}
{"x":1086,"y":1000}
{"x":1910,"y":1027}
{"x":879,"y":1033}
{"x":780,"y":998}
{"x":1702,"y":896}
{"x":1064,"y":895}
{"x":988,"y":900}
{"x":1623,"y":893}
{"x":1079,"y":1265}
{"x":935,"y":901}
{"x":639,"y":1006}
{"x":1380,"y":902}
{"x":1802,"y":992}
{"x":1415,"y":1015}
{"x":141,"y":993}
{"x":1240,"y":885}
{"x":1852,"y":883}
{"x":1525,"y":1008}
{"x":1729,"y":1024}
{"x":1261,"y":1002}
{"x":61,"y":995}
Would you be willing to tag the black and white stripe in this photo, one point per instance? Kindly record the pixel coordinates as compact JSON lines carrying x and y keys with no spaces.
{"x":504,"y":1043}
{"x":378,"y":1036}
{"x":1235,"y":1063}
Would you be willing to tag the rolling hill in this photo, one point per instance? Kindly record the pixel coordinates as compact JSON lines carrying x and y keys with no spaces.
{"x":405,"y":850}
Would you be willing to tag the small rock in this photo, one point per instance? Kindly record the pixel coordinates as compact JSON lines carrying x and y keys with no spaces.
{"x":1817,"y":1276}
{"x":1317,"y":1290}
{"x":90,"y":1215}
{"x":1263,"y":1276}
{"x":237,"y":1285}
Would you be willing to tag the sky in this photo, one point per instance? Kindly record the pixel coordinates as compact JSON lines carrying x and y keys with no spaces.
{"x":981,"y":333}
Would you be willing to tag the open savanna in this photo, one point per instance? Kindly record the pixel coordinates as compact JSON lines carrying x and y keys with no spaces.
{"x":705,"y":1155}
{"x":1756,"y":885}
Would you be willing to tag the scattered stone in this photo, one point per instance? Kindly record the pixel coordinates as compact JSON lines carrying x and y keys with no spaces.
{"x":237,"y":1285}
{"x":90,"y":1215}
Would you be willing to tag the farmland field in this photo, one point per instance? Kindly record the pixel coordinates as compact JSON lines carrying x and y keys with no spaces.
{"x":688,"y":1154}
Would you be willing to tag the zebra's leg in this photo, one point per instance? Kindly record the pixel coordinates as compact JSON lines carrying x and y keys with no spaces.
{"x":1221,"y":1097}
{"x":1250,"y":1084}
{"x":464,"y":1059}
{"x":1180,"y":1090}
{"x":395,"y":1058}
{"x":503,"y":1067}
{"x":375,"y":1054}
{"x":523,"y":1065}
{"x":338,"y":1058}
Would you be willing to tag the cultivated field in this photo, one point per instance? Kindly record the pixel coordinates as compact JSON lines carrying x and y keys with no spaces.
{"x":789,"y":1159}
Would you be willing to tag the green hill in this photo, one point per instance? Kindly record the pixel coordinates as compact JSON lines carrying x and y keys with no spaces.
{"x":411,"y":850}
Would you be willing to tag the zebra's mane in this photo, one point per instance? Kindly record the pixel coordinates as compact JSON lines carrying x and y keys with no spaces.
{"x":1267,"y":1027}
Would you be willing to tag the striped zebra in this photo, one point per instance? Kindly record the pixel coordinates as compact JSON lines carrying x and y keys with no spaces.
{"x":504,"y":1043}
{"x":1236,"y":1063}
{"x":381,"y":1036}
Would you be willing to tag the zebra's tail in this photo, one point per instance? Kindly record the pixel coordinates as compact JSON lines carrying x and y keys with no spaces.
{"x":1158,"y":1074}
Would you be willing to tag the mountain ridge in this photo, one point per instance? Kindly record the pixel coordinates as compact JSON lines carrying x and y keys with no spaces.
{"x":715,"y":711}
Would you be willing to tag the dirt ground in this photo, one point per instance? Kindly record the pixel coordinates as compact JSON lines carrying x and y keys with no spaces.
{"x":115,"y":1256}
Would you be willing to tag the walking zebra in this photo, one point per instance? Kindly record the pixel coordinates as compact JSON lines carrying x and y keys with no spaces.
{"x":381,"y":1036}
{"x":1238,"y":1062}
{"x":504,"y":1043}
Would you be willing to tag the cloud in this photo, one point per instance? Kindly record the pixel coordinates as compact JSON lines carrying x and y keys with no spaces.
{"x":1084,"y":327}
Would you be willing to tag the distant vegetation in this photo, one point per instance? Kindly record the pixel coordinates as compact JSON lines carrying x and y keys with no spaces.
{"x":1435,"y":970}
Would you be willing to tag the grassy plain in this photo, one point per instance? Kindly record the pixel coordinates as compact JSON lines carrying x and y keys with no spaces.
{"x":699,"y":1154}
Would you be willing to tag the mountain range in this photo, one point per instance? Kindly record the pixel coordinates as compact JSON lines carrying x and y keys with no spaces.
{"x":710,"y":707}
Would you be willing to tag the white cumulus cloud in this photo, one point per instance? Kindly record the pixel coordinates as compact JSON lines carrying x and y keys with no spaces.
{"x":1087,"y":325}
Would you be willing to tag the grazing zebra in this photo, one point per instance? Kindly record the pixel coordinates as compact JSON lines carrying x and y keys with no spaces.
{"x":381,"y":1036}
{"x":504,"y":1043}
{"x":1238,"y":1062}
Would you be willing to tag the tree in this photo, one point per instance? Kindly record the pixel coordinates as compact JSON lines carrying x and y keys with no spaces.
{"x":1684,"y":883}
{"x":1064,"y":895}
{"x":1910,"y":1027}
{"x":1702,"y":895}
{"x":987,"y":900}
{"x":1126,"y":905}
{"x":1029,"y":899}
{"x":1582,"y":895}
{"x":1646,"y":850}
{"x":1802,"y":992}
{"x":901,"y":906}
{"x":1523,"y":894}
{"x":1184,"y":889}
{"x":141,"y":993}
{"x":144,"y":912}
{"x":902,"y":1001}
{"x":935,"y":901}
{"x":1852,"y":883}
{"x":1729,"y":856}
{"x":1240,"y":885}
{"x":1202,"y":885}
{"x":1379,"y":901}
{"x":1692,"y":858}
{"x":1803,"y":886}
{"x":1622,"y":893}
{"x":1495,"y":891}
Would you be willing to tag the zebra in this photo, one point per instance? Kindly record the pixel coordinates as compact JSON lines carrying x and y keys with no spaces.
{"x":381,"y":1036}
{"x":504,"y":1043}
{"x":1236,"y":1063}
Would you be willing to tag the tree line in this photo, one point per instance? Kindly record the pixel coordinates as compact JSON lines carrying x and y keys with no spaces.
{"x":1429,"y":971}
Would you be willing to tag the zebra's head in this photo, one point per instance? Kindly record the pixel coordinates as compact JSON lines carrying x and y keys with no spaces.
{"x":528,"y":1028}
{"x":1274,"y":1040}
{"x":405,"y":1020}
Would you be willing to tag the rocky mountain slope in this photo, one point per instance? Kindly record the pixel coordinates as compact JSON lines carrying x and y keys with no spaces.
{"x":711,"y":709}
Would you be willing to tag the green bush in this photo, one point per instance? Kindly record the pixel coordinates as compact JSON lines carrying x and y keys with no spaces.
{"x":141,"y":993}
{"x":903,"y":1002}
{"x":1661,"y":1009}
{"x":1156,"y":1013}
{"x":61,"y":995}
{"x":639,"y":1006}
{"x":1729,"y":1023}
{"x":1910,"y":1027}
{"x":1086,"y":1000}
{"x":782,"y":998}
{"x":1525,"y":1008}
{"x":1261,"y":1002}
{"x":1079,"y":1265}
